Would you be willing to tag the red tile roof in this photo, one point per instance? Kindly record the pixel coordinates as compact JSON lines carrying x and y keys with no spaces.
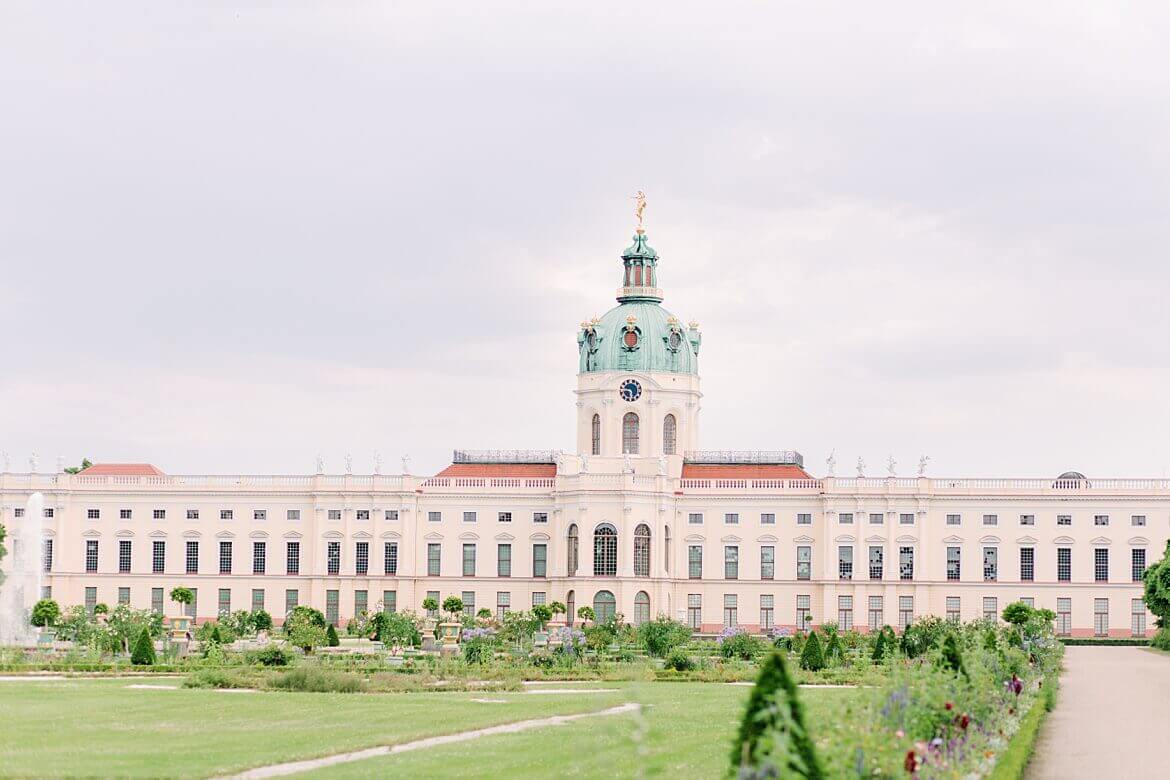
{"x":499,"y":470}
{"x":743,"y":471}
{"x":123,"y":470}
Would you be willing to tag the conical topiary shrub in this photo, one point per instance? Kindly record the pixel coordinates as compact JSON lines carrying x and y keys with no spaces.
{"x":834,"y":651}
{"x":951,"y":657}
{"x":772,"y":734}
{"x":331,"y":636}
{"x":812,"y":657}
{"x":143,"y":652}
{"x":881,"y":647}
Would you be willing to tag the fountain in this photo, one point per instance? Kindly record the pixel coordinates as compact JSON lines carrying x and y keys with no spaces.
{"x":21,"y":587}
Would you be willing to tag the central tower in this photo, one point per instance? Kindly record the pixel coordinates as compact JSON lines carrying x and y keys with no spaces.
{"x":638,"y":373}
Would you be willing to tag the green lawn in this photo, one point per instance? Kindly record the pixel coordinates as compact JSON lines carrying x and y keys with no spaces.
{"x":102,"y":728}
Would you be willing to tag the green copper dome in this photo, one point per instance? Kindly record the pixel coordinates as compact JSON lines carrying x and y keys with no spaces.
{"x":638,"y":334}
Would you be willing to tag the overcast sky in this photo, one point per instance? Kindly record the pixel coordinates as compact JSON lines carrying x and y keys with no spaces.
{"x":236,"y":235}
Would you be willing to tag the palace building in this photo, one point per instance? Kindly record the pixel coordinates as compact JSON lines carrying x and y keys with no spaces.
{"x":637,"y":518}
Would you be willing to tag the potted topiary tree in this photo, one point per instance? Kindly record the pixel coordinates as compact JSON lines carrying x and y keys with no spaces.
{"x":181,"y":623}
{"x":542,"y":613}
{"x":449,"y":629}
{"x":431,"y":605}
{"x":45,"y":614}
{"x":586,"y":614}
{"x":554,"y":623}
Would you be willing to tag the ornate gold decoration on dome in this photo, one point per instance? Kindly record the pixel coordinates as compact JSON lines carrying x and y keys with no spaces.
{"x":639,"y":207}
{"x":672,"y":320}
{"x":584,"y":324}
{"x":631,"y":319}
{"x":595,"y":320}
{"x":693,"y":324}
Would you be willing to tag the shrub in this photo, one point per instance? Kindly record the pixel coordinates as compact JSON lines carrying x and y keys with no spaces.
{"x":1161,"y":639}
{"x":479,"y":645}
{"x":484,"y":613}
{"x":314,"y":679}
{"x":143,"y":654}
{"x":541,"y":659}
{"x":881,"y":647}
{"x":331,"y":636}
{"x":216,"y":678}
{"x":45,"y":613}
{"x":262,"y":620}
{"x":735,"y":642}
{"x":833,"y":651}
{"x":679,"y":661}
{"x":101,"y":609}
{"x":772,"y":736}
{"x":305,"y":628}
{"x":1017,"y":613}
{"x":395,"y":628}
{"x":272,"y":655}
{"x":661,"y":635}
{"x":951,"y":657}
{"x":811,"y":657}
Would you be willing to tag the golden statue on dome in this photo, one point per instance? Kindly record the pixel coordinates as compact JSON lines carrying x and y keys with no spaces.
{"x":640,"y":201}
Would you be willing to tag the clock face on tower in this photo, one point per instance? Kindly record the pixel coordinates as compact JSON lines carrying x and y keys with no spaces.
{"x":630,"y":390}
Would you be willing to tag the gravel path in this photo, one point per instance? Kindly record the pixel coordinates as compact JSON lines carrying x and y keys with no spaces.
{"x":1111,"y":718}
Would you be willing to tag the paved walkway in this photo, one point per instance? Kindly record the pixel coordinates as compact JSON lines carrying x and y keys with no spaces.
{"x":1112,"y":718}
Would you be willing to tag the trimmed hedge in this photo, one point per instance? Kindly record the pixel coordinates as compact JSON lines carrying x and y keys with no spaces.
{"x":1013,"y":762}
{"x":1125,"y":642}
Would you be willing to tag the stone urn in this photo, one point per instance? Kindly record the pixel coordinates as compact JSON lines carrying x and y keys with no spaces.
{"x":449,"y":632}
{"x":179,"y":626}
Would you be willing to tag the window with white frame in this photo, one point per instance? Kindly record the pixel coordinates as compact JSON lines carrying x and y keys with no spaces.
{"x":595,"y":431}
{"x":91,"y":514}
{"x":731,"y":562}
{"x":669,"y":434}
{"x":845,"y":562}
{"x":259,"y":557}
{"x":391,"y":515}
{"x":803,"y":518}
{"x":1027,"y":564}
{"x":845,"y":613}
{"x":160,"y":514}
{"x":503,"y":517}
{"x":1028,"y":601}
{"x":257,"y":599}
{"x":292,"y":598}
{"x":192,"y":514}
{"x":362,"y":514}
{"x":767,"y":611}
{"x":1101,"y":617}
{"x":361,"y":558}
{"x":503,"y":603}
{"x":845,"y":518}
{"x":124,"y":547}
{"x":433,"y":594}
{"x":768,"y":518}
{"x":605,"y":551}
{"x":225,"y":557}
{"x":695,"y":611}
{"x":434,"y":517}
{"x":876,"y":613}
{"x":991,"y":519}
{"x":695,"y":562}
{"x":767,"y":562}
{"x":1137,"y":620}
{"x":876,"y":562}
{"x":1100,"y":519}
{"x":1137,"y":520}
{"x":225,"y":514}
{"x":954,"y":519}
{"x":503,"y":560}
{"x":642,"y":550}
{"x":332,"y":607}
{"x":630,"y":434}
{"x":1138,"y":563}
{"x":333,"y":558}
{"x":906,"y":518}
{"x":990,"y":608}
{"x":293,"y":514}
{"x":1027,"y":519}
{"x":225,"y":602}
{"x":1064,"y":564}
{"x":48,"y":512}
{"x":434,"y":559}
{"x":469,"y":560}
{"x":125,"y":514}
{"x":540,"y":560}
{"x":540,"y":517}
{"x":192,"y":557}
{"x":1063,"y":616}
{"x":803,"y":612}
{"x":292,"y":558}
{"x":572,"y":552}
{"x":730,"y":610}
{"x":954,"y":563}
{"x":695,"y":518}
{"x":877,"y":518}
{"x":731,"y":518}
{"x":1101,"y":564}
{"x":390,"y":558}
{"x":469,"y":517}
{"x":803,"y":562}
{"x":47,"y":555}
{"x":468,"y":598}
{"x":990,"y":564}
{"x":1064,"y":519}
{"x":954,"y":609}
{"x":905,"y":611}
{"x":334,"y":514}
{"x":262,"y":514}
{"x":906,"y":563}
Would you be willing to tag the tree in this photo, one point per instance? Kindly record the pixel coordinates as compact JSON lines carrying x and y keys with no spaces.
{"x":453,"y":605}
{"x":543,"y":614}
{"x":661,"y":635}
{"x":3,"y":549}
{"x":557,"y":608}
{"x":430,"y":604}
{"x":586,"y":613}
{"x":331,"y":636}
{"x":1017,"y":613}
{"x":143,"y":653}
{"x":182,"y":596}
{"x":772,"y":733}
{"x":881,"y":646}
{"x":45,"y":613}
{"x":812,"y":657}
{"x":74,"y":469}
{"x":951,"y":657}
{"x":1157,"y":590}
{"x":305,"y":628}
{"x":262,"y":620}
{"x":834,"y":652}
{"x":101,"y":608}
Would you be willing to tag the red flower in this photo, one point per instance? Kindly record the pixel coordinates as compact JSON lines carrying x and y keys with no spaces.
{"x":950,"y":706}
{"x":911,"y":762}
{"x":964,"y":721}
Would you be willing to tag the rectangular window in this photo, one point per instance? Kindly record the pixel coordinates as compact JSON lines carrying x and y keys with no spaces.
{"x":90,"y":599}
{"x":731,"y":562}
{"x":954,"y":519}
{"x":876,"y":561}
{"x":876,"y":613}
{"x":954,"y":611}
{"x":804,"y":519}
{"x":433,"y":594}
{"x":695,"y":561}
{"x":333,"y":558}
{"x":468,"y":560}
{"x":990,"y":608}
{"x":91,"y":555}
{"x":468,"y":598}
{"x":389,"y":601}
{"x":1100,"y":617}
{"x":540,"y":597}
{"x":1064,"y":564}
{"x":767,"y":562}
{"x":503,"y":560}
{"x":292,"y":558}
{"x":156,"y":600}
{"x":1101,"y":564}
{"x":877,"y":518}
{"x":225,"y":557}
{"x":361,"y":602}
{"x":391,"y":515}
{"x":193,"y":607}
{"x":257,"y":599}
{"x":363,"y":514}
{"x":434,"y":557}
{"x":158,"y":562}
{"x":730,"y":610}
{"x":125,"y":514}
{"x":225,"y":602}
{"x":1138,"y":564}
{"x":48,"y":512}
{"x":540,"y":517}
{"x":1027,"y":564}
{"x":1137,"y":620}
{"x":695,"y":518}
{"x":434,"y":517}
{"x":1064,"y":519}
{"x":1063,"y":616}
{"x":905,"y":611}
{"x":803,"y":612}
{"x":124,"y":547}
{"x":1027,"y":519}
{"x":469,"y":517}
{"x":1100,"y":519}
{"x":906,"y":563}
{"x":124,"y":595}
{"x":991,"y":519}
{"x":361,"y":558}
{"x":695,"y":611}
{"x":333,"y":514}
{"x":160,"y":514}
{"x":259,"y":557}
{"x":332,"y":613}
{"x":390,"y":558}
{"x":845,"y":518}
{"x":954,"y":563}
{"x":731,"y":518}
{"x":291,"y":600}
{"x":19,"y":511}
{"x":540,"y":560}
{"x":293,"y":514}
{"x":1138,"y":520}
{"x":906,"y":518}
{"x":192,"y":557}
{"x":503,"y":604}
{"x":803,"y":563}
{"x":226,"y":514}
{"x":768,"y":518}
{"x":990,"y":564}
{"x":192,"y":514}
{"x":91,"y":514}
{"x":504,"y":517}
{"x":845,"y":613}
{"x":845,"y":563}
{"x":47,"y":555}
{"x":1031,"y":602}
{"x":767,"y":611}
{"x":262,"y":514}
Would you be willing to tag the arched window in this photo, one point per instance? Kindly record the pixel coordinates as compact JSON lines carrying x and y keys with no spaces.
{"x":571,"y":606}
{"x":641,"y":608}
{"x":605,"y":551}
{"x":630,"y":434}
{"x":669,"y":435}
{"x":572,"y":550}
{"x":666,"y":548}
{"x":595,"y":431}
{"x":604,"y":606}
{"x":642,"y":550}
